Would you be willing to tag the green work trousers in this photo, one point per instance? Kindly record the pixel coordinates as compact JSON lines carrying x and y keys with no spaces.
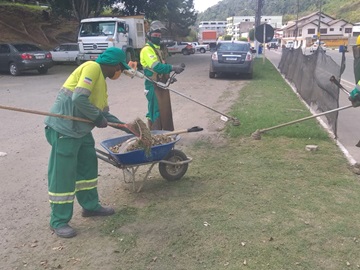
{"x":72,"y":171}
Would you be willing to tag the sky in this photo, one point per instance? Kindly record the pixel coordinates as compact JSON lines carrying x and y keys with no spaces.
{"x":202,"y":5}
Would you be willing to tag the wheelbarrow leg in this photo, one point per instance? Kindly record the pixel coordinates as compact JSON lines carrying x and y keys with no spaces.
{"x":146,"y":177}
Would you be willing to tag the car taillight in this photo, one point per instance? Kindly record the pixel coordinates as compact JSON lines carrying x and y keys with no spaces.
{"x":26,"y":56}
{"x":214,"y":56}
{"x":48,"y":55}
{"x":248,"y":57}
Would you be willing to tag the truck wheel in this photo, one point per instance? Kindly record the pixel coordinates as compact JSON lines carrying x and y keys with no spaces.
{"x":202,"y":50}
{"x":212,"y":75}
{"x":128,"y":56}
{"x":185,"y":52}
{"x":78,"y":61}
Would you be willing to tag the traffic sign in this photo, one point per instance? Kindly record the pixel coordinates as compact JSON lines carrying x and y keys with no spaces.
{"x":259,"y":33}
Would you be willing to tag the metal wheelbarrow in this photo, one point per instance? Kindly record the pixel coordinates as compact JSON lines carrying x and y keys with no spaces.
{"x":173,"y":163}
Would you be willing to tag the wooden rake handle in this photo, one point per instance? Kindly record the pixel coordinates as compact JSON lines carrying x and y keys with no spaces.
{"x":116,"y":125}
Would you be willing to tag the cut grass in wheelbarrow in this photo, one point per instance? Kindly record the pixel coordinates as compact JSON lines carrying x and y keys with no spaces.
{"x":173,"y":163}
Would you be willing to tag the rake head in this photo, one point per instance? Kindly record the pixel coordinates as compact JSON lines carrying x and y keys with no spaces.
{"x":140,"y":130}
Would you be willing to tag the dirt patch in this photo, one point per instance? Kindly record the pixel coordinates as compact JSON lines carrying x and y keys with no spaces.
{"x":31,"y":26}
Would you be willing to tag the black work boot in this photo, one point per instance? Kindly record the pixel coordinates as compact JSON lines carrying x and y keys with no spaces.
{"x":64,"y":231}
{"x":102,"y":211}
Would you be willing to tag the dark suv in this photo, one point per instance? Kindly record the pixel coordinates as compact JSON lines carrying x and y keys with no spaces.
{"x":18,"y":57}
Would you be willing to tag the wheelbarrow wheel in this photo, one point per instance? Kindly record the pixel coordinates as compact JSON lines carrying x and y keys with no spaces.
{"x":173,"y":172}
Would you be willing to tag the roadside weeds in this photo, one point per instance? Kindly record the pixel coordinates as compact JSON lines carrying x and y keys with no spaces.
{"x":267,"y":204}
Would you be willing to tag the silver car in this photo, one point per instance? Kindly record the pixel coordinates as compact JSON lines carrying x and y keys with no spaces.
{"x":66,"y":52}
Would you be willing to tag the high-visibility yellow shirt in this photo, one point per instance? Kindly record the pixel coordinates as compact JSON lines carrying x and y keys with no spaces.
{"x":90,"y":77}
{"x":84,"y":95}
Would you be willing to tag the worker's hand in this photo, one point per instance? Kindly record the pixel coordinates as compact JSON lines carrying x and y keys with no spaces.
{"x":101,"y":122}
{"x":355,"y":97}
{"x":178,"y":69}
{"x":133,"y":65}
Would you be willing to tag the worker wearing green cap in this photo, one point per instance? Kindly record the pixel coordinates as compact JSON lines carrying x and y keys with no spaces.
{"x":73,"y":166}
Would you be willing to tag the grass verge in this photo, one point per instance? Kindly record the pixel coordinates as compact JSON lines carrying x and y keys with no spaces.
{"x":250,"y":204}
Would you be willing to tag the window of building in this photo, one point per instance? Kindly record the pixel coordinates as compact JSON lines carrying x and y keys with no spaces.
{"x":340,"y":29}
{"x":348,"y":30}
{"x":323,"y":30}
{"x":331,"y":29}
{"x":311,"y":31}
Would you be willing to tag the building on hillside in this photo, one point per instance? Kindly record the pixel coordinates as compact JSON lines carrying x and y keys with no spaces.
{"x":356,"y":29}
{"x":237,"y":26}
{"x":306,"y":30}
{"x":211,"y":26}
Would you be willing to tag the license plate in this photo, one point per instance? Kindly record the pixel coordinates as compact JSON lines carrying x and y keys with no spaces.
{"x":39,"y":56}
{"x":93,"y":56}
{"x":231,"y":58}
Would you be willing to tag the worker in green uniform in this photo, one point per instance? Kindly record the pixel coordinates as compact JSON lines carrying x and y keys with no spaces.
{"x":159,"y":113}
{"x":73,"y":166}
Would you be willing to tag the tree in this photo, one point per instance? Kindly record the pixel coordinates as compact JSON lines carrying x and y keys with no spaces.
{"x":177,"y":15}
{"x":153,"y":10}
{"x":180,"y":16}
{"x":79,"y":9}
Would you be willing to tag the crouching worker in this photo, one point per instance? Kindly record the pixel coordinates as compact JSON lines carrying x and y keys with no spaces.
{"x":73,"y":165}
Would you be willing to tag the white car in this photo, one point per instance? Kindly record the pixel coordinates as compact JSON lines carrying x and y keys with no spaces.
{"x":289,"y":44}
{"x":66,"y":52}
{"x":315,"y":46}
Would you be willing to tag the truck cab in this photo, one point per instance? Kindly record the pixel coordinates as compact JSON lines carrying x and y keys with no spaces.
{"x":97,"y":34}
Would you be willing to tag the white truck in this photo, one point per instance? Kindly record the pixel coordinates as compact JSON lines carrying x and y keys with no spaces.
{"x":180,"y":47}
{"x":98,"y":34}
{"x":201,"y":47}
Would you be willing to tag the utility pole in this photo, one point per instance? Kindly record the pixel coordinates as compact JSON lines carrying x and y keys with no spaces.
{"x":258,"y":22}
{"x":318,"y":34}
{"x":296,"y":27}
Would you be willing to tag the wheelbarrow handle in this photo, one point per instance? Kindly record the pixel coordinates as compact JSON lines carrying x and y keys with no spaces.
{"x":192,"y":129}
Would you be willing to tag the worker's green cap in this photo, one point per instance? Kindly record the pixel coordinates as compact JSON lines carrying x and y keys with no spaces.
{"x":113,"y":56}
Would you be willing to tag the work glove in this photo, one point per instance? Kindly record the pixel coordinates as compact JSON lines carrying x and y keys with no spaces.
{"x":355,"y":97}
{"x":101,"y":122}
{"x":178,"y":69}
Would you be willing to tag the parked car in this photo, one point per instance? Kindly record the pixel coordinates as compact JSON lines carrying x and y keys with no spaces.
{"x":180,"y":47}
{"x":273,"y":44}
{"x":66,"y":52}
{"x":232,"y":57}
{"x":18,"y":57}
{"x":289,"y":44}
{"x":315,"y":46}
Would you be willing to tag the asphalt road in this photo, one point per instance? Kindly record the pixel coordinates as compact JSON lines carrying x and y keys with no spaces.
{"x":348,"y":131}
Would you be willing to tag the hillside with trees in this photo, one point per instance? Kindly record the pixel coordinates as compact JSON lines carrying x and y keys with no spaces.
{"x":348,"y":10}
{"x":59,"y":22}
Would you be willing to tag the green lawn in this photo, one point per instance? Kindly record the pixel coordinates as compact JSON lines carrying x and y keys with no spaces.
{"x":250,"y":204}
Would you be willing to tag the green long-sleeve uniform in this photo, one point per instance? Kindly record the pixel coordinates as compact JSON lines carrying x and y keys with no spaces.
{"x":73,"y":166}
{"x":159,"y":105}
